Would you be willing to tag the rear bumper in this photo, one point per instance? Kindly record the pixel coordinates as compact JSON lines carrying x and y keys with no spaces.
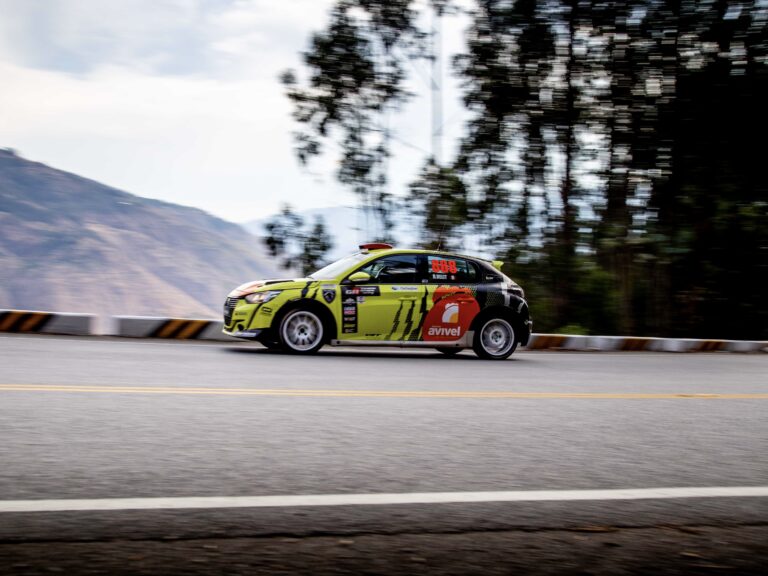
{"x":526,"y":334}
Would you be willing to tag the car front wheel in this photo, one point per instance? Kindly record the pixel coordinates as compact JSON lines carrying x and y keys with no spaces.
{"x":301,"y":332}
{"x":495,"y":340}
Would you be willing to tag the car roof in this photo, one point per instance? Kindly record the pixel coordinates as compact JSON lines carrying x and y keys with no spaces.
{"x":385,"y":251}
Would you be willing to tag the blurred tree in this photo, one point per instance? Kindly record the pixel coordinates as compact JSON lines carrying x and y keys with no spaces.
{"x":297,"y":246}
{"x":520,"y":149}
{"x":612,"y":151}
{"x":439,"y":200}
{"x":356,"y":78}
{"x":710,"y":202}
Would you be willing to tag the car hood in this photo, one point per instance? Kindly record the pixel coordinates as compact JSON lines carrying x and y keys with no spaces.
{"x":257,"y":285}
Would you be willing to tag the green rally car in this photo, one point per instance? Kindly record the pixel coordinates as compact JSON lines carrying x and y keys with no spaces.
{"x":382,"y":296}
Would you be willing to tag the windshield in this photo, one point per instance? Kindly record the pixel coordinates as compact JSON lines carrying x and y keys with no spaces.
{"x":333,"y":270}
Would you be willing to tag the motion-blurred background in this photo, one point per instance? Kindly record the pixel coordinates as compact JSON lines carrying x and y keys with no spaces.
{"x":611,"y":153}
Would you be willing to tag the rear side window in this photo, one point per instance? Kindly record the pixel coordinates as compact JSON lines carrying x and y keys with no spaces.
{"x":450,"y":270}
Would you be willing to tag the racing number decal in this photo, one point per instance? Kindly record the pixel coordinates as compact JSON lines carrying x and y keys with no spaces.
{"x":444,"y":266}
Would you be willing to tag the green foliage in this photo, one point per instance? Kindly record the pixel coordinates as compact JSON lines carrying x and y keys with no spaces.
{"x":296,"y":245}
{"x":613,"y":154}
{"x":663,"y":100}
{"x":439,"y":199}
{"x":356,"y":77}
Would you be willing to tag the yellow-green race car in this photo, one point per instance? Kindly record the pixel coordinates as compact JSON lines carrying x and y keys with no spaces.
{"x":381,"y":296}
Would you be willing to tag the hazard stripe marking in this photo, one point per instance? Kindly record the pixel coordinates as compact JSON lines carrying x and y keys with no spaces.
{"x":6,"y":319}
{"x":19,"y":321}
{"x":193,"y":329}
{"x":180,"y":329}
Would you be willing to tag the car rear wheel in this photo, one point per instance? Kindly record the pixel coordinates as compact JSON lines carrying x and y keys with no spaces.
{"x":301,"y":332}
{"x":495,"y":340}
{"x":449,"y":351}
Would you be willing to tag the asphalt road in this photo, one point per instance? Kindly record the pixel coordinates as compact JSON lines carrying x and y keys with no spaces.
{"x":110,"y":419}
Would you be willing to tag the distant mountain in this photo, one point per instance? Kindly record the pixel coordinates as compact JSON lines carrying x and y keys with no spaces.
{"x":74,"y":245}
{"x":348,"y":226}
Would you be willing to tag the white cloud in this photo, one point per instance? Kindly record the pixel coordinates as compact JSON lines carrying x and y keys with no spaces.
{"x":221,"y":146}
{"x":177,"y":99}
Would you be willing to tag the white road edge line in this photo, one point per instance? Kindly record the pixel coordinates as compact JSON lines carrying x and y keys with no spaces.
{"x":291,"y":501}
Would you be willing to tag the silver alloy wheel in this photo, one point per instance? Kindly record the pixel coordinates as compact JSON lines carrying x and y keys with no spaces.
{"x":302,"y":331}
{"x":497,"y":337}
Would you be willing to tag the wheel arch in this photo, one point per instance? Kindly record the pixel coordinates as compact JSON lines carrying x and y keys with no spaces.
{"x":325,"y":315}
{"x":516,"y":319}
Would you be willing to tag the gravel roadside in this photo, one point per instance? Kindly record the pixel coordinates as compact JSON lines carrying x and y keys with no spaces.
{"x":591,"y":550}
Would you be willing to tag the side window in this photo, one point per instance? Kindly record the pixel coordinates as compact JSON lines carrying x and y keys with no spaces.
{"x":447,"y":269}
{"x":489,"y":276}
{"x":397,"y":269}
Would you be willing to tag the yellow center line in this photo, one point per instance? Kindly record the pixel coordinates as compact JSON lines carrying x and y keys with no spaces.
{"x":373,"y":393}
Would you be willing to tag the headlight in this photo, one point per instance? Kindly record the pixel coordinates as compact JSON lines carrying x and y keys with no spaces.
{"x":261,"y":297}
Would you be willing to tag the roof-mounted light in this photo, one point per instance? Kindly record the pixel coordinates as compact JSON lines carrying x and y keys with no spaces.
{"x":375,"y":246}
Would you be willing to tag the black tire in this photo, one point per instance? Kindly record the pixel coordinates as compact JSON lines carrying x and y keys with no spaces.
{"x":495,"y":338}
{"x":271,"y":344}
{"x":301,"y":332}
{"x":449,"y":351}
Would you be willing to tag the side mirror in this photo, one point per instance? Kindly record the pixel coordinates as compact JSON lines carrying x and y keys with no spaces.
{"x":359,"y":278}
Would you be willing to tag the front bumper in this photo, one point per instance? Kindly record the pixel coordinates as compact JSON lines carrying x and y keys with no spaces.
{"x":246,"y":334}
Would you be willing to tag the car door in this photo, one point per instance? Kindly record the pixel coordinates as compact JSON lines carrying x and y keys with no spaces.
{"x":453,"y":285}
{"x":386,"y":308}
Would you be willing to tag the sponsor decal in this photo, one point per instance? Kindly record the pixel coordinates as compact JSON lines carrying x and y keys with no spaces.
{"x":449,"y":318}
{"x":454,"y":333}
{"x":329,"y":293}
{"x":352,"y":296}
{"x":349,"y":296}
{"x":451,"y":313}
{"x":360,"y":291}
{"x":405,"y":288}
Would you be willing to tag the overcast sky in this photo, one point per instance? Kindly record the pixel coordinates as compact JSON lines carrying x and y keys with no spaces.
{"x":180,"y":99}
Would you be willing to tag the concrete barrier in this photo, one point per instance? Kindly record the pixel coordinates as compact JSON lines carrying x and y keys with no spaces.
{"x":35,"y":322}
{"x":640,"y":344}
{"x":173,"y":328}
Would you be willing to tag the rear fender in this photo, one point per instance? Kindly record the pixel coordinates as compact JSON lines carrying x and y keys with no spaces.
{"x":518,"y":319}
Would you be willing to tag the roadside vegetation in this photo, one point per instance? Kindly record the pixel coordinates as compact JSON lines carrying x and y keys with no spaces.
{"x":613,"y":157}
